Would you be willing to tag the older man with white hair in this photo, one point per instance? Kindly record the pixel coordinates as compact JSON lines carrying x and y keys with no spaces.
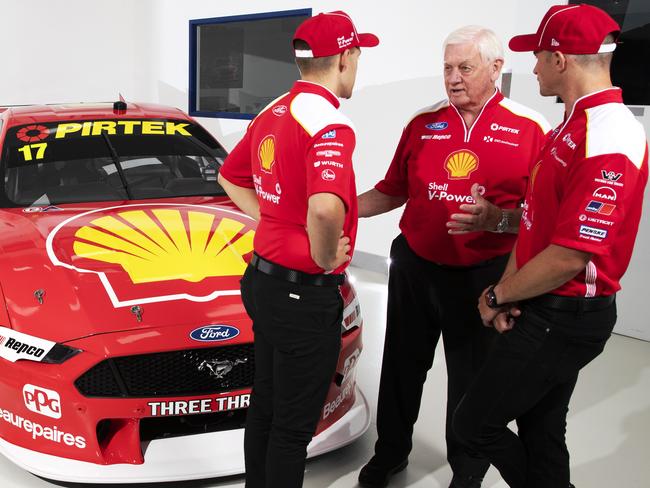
{"x":462,"y":168}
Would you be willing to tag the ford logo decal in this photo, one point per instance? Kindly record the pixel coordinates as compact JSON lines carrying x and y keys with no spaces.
{"x":214,"y":333}
{"x":437,"y":126}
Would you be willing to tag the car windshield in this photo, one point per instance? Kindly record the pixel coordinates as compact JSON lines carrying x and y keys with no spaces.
{"x":100,"y":160}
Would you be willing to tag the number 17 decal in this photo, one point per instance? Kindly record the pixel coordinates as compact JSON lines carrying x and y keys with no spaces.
{"x":27,"y":151}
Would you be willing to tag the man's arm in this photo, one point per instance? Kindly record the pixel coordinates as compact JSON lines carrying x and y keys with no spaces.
{"x":550,"y":269}
{"x":482,"y":215}
{"x":244,"y":198}
{"x":325,"y":218}
{"x":373,"y":202}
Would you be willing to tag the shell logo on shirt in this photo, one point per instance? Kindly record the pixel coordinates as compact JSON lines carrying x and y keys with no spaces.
{"x":266,"y":153}
{"x":533,"y":174}
{"x":461,"y":164}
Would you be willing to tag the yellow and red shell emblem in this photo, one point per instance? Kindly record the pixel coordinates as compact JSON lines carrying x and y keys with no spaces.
{"x":155,"y":252}
{"x":160,"y":245}
{"x":266,"y":153}
{"x":533,"y":174}
{"x":461,"y":164}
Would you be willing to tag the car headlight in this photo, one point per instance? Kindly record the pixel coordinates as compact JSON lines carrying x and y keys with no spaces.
{"x":60,"y":354}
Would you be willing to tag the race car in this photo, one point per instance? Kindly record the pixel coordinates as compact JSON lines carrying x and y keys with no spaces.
{"x":125,"y":351}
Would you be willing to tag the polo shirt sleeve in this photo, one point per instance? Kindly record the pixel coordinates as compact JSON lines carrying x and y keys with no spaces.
{"x":599,"y":191}
{"x":237,"y":166}
{"x":395,"y":183}
{"x":329,"y":163}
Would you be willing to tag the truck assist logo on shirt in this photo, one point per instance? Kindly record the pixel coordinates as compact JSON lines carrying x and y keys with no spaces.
{"x":461,"y":164}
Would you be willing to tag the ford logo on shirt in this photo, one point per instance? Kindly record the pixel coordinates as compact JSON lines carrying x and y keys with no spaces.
{"x":214,"y":333}
{"x":437,"y":126}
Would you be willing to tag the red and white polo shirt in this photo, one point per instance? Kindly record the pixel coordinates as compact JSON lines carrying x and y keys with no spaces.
{"x":439,"y":158}
{"x":298,"y":146}
{"x":586,"y":192}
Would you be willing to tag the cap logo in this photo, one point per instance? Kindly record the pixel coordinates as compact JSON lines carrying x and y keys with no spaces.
{"x":461,"y":164}
{"x":266,"y":153}
{"x":345,"y":41}
{"x":554,"y":42}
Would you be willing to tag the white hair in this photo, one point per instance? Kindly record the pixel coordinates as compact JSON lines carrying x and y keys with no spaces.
{"x":486,"y":41}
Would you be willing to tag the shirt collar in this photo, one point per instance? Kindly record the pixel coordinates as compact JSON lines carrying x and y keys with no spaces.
{"x":608,"y":95}
{"x":303,"y":86}
{"x":494,"y":99}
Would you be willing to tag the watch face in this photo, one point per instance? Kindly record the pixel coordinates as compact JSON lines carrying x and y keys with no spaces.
{"x":491,"y":298}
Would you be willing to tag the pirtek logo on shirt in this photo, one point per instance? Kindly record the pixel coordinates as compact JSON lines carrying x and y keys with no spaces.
{"x":503,"y":128}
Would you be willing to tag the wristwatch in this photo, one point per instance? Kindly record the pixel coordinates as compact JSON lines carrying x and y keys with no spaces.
{"x":504,"y":223}
{"x":491,"y":298}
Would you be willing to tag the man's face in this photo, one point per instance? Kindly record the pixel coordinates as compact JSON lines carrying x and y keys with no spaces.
{"x":349,"y":76}
{"x":469,"y":80}
{"x":543,"y":70}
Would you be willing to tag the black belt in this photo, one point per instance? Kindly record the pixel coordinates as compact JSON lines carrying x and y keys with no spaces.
{"x":573,"y":304}
{"x":480,"y":264}
{"x":294,"y":276}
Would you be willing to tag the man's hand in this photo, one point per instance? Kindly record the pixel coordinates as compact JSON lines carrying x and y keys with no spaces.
{"x":479,"y":216}
{"x":502,"y":318}
{"x":505,"y":321}
{"x":342,"y":250}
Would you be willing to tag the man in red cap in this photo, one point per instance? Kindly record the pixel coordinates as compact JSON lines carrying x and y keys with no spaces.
{"x":293,"y":172}
{"x":555,"y":303}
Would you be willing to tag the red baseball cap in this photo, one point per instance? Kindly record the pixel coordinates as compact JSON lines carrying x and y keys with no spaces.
{"x":331,"y":33}
{"x":571,"y":29}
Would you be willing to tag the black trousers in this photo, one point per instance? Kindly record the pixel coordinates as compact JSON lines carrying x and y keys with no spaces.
{"x":530,"y":376}
{"x":426,"y":300}
{"x":297,"y":343}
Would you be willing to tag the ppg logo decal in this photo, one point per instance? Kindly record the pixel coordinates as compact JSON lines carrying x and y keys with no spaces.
{"x":214,"y":333}
{"x":42,"y":401}
{"x":437,"y":126}
{"x":329,"y":135}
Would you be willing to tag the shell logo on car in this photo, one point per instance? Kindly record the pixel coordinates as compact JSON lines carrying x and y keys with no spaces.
{"x":155,"y":252}
{"x":461,"y":164}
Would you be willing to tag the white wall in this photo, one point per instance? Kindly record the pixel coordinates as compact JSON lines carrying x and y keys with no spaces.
{"x":72,"y":50}
{"x":88,"y":50}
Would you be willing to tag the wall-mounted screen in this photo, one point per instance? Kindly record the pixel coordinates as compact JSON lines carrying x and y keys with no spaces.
{"x":239,"y":64}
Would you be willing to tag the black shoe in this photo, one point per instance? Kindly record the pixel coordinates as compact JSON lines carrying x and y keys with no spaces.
{"x":376,"y":475}
{"x":466,"y":481}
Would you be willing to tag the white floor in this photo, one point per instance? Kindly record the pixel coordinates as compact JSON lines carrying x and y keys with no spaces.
{"x":608,"y":431}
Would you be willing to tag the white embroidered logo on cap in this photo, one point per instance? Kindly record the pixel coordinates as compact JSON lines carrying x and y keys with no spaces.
{"x":554,"y":42}
{"x":345,"y":41}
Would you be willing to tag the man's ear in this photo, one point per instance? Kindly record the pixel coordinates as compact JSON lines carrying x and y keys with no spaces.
{"x":344,"y":60}
{"x":497,"y":66}
{"x":559,"y":61}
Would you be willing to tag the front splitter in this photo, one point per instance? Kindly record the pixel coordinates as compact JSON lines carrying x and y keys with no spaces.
{"x":191,"y":457}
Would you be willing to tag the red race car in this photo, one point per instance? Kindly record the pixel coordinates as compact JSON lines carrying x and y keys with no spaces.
{"x":125,"y":351}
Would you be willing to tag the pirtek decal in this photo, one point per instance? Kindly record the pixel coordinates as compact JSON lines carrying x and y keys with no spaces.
{"x":121,"y":127}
